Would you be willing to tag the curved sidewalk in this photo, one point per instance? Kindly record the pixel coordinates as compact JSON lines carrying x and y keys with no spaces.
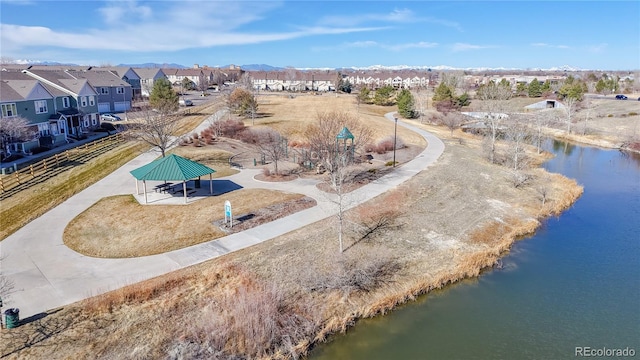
{"x":47,"y":274}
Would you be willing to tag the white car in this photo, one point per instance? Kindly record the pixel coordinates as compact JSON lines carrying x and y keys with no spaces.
{"x":185,"y":102}
{"x":110,"y":117}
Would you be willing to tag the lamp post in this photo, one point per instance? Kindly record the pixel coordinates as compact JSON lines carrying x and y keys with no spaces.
{"x":395,"y":132}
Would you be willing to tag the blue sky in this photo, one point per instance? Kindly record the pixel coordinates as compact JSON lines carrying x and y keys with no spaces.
{"x":510,"y":34}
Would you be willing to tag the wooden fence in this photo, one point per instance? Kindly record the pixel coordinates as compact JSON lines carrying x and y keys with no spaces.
{"x":30,"y":175}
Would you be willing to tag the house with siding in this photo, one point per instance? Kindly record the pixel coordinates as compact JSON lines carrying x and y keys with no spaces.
{"x":148,"y":77}
{"x":114,"y":94}
{"x":129,"y":75}
{"x":29,"y":99}
{"x":76,"y":103}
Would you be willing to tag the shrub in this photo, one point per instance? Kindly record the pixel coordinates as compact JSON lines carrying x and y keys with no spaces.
{"x":633,"y":113}
{"x":230,"y":128}
{"x":389,"y":163}
{"x":610,"y":115}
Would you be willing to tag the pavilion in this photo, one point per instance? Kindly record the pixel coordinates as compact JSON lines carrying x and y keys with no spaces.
{"x":172,"y":168}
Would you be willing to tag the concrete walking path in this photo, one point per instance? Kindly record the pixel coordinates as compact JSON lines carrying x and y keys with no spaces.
{"x":47,"y":274}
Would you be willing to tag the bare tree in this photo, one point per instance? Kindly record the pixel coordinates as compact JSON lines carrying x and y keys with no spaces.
{"x":271,"y":144}
{"x":587,"y":105}
{"x":321,"y":134}
{"x":335,"y":157}
{"x":517,"y":134}
{"x":156,"y":129}
{"x":452,"y":120}
{"x":570,"y":108}
{"x":14,"y":129}
{"x":541,"y":120}
{"x":494,"y":98}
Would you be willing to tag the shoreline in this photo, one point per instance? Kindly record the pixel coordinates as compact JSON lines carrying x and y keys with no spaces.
{"x":283,"y":261}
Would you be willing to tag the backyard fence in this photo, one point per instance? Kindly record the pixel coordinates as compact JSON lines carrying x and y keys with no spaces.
{"x":38,"y":172}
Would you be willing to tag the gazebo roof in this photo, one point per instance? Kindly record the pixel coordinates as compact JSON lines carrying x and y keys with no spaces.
{"x":171,"y":167}
{"x":345,"y":134}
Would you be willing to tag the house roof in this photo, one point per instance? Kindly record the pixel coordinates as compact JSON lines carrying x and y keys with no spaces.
{"x":171,"y":167}
{"x":61,"y":79}
{"x":7,"y":93}
{"x":18,"y":75}
{"x":28,"y":89}
{"x":99,"y":78}
{"x":149,"y":73}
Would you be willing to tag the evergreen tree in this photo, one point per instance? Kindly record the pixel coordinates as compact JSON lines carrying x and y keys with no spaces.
{"x":521,"y":89}
{"x":535,"y":89}
{"x":406,"y":104}
{"x":162,"y":97}
{"x":383,"y":96}
{"x":364,"y":95}
{"x":462,"y":100}
{"x":546,"y":87}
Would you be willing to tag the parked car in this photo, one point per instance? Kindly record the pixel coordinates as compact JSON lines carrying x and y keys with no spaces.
{"x":185,"y":102}
{"x":110,"y":117}
{"x":621,"y":97}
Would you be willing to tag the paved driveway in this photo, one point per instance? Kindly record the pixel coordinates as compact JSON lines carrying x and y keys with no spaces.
{"x":47,"y":274}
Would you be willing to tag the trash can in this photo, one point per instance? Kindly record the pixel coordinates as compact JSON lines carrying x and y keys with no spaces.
{"x":12,"y":318}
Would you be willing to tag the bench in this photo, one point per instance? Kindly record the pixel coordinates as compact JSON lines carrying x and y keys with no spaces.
{"x":191,"y":192}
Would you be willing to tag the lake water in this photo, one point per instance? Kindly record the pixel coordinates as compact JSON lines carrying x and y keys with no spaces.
{"x":575,"y":283}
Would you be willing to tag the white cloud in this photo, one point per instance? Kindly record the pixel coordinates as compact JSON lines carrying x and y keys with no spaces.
{"x":551,"y":46}
{"x":398,"y":16}
{"x":375,"y":44}
{"x":466,"y":47}
{"x":168,"y":27}
{"x":116,"y":11}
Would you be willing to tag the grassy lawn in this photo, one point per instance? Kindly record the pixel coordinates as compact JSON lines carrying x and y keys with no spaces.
{"x":118,"y":226}
{"x":21,"y":208}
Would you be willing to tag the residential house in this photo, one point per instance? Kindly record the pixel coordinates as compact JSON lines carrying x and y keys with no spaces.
{"x":29,"y":99}
{"x":196,"y":76}
{"x":76,"y":102}
{"x":114,"y":94}
{"x":148,"y":77}
{"x":130,"y":76}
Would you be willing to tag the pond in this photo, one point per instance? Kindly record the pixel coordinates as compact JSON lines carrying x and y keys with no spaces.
{"x":574,"y":285}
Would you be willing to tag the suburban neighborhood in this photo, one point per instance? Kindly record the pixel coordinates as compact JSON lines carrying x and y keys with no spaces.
{"x":311,"y":180}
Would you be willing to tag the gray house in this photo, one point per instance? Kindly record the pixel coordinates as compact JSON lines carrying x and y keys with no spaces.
{"x":76,"y":104}
{"x":127,"y":74}
{"x":114,"y":94}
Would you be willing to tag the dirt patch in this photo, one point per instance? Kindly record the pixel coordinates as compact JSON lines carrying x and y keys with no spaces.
{"x":266,"y":214}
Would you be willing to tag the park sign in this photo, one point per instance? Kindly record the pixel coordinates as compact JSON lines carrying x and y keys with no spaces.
{"x":228,"y":216}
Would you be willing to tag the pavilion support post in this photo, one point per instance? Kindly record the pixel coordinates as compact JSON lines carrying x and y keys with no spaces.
{"x":137,"y":189}
{"x":211,"y":184}
{"x":144,"y":190}
{"x":184,"y":191}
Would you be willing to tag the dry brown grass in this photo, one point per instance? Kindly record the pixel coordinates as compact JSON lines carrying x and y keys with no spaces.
{"x":441,"y":241}
{"x":146,"y":230}
{"x":208,"y":155}
{"x":291,"y":116}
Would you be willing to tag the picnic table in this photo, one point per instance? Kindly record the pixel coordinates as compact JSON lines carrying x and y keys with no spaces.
{"x":162,"y":187}
{"x":181,"y":191}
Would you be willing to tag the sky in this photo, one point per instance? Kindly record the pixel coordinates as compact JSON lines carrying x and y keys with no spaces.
{"x":325,"y":34}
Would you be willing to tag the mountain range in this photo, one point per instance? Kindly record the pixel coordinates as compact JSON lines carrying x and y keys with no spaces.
{"x":265,"y":67}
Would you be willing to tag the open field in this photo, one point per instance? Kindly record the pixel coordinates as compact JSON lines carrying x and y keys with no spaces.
{"x":278,"y":298}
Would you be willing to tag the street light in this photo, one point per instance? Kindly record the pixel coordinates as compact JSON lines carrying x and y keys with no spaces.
{"x":395,"y":132}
